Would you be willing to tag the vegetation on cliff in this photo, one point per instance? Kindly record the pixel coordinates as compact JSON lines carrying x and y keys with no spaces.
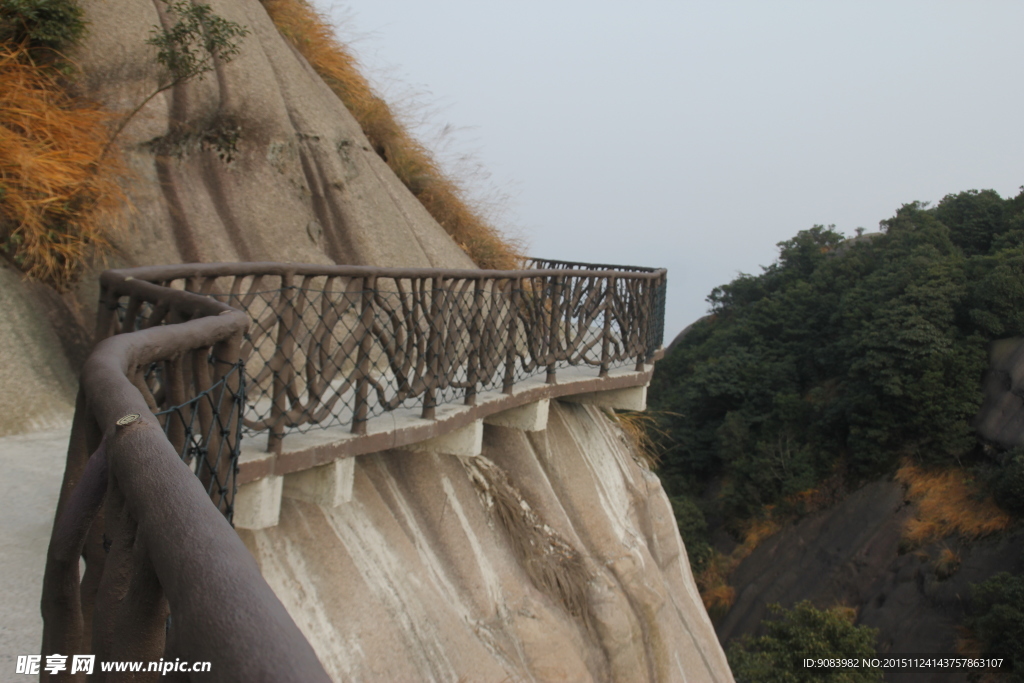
{"x":998,"y":620}
{"x":60,"y":174}
{"x":56,"y":198}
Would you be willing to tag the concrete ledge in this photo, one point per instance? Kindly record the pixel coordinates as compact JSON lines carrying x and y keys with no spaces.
{"x":629,"y":398}
{"x":329,"y":485}
{"x":404,"y":427}
{"x":533,"y":417}
{"x":467,"y":442}
{"x":258,"y":504}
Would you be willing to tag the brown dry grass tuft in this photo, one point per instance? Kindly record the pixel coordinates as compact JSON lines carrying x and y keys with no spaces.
{"x":553,"y":565}
{"x":312,"y":35}
{"x":56,"y":198}
{"x":968,"y":645}
{"x":640,"y":429}
{"x":948,"y":563}
{"x":948,"y":501}
{"x":713,"y":582}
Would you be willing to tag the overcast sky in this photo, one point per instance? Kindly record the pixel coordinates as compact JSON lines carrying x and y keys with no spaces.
{"x":697,"y":135}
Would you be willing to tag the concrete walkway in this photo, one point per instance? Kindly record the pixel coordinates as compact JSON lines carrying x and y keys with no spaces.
{"x":31,"y":468}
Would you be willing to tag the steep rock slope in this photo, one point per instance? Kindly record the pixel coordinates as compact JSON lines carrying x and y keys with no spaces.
{"x":418,"y":578}
{"x":851,"y":555}
{"x":301,"y":183}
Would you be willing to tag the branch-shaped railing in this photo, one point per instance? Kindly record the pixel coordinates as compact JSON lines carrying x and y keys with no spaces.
{"x":192,"y":355}
{"x":339,"y":345}
{"x":166,"y":575}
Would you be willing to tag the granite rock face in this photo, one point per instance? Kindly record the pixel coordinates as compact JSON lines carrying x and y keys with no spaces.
{"x":850,"y":555}
{"x":418,"y":578}
{"x":299,"y":184}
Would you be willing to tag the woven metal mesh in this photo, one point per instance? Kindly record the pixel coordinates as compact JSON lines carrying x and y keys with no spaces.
{"x":210,"y":451}
{"x":206,"y":429}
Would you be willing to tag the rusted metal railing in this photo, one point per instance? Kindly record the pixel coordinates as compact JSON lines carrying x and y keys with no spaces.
{"x":338,"y":345}
{"x":155,"y":537}
{"x":192,"y":355}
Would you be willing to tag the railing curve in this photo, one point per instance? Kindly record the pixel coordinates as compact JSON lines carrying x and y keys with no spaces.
{"x":155,"y":536}
{"x":197,"y":353}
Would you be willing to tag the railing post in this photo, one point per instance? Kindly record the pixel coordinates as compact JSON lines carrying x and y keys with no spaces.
{"x":475,"y":342}
{"x":280,"y":364}
{"x":229,"y":367}
{"x":556,"y":311}
{"x":516,"y":287}
{"x":362,"y":404}
{"x":435,"y":344}
{"x":644,"y":310}
{"x":105,"y":319}
{"x":606,"y":332}
{"x":657,"y":323}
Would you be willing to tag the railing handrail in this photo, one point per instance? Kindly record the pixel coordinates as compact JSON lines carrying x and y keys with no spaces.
{"x":196,"y":270}
{"x":163,"y":540}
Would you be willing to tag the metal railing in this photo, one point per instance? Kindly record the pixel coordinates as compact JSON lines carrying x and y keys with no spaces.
{"x":339,"y":345}
{"x":156,"y":537}
{"x":319,"y":346}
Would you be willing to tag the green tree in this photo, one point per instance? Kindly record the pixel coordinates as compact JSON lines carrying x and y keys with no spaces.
{"x":848,"y":353}
{"x":799,"y":633}
{"x":189,"y":48}
{"x":51,"y":25}
{"x":998,"y":619}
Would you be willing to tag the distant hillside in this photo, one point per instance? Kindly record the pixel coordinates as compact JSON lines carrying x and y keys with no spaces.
{"x":842,"y":361}
{"x":851,"y":353}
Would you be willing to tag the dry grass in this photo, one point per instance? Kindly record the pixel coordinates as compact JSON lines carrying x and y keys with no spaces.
{"x":555,"y":568}
{"x":56,"y":199}
{"x":313,"y":36}
{"x":968,"y":645}
{"x":948,"y":563}
{"x":948,"y":501}
{"x":713,"y":581}
{"x":639,"y":430}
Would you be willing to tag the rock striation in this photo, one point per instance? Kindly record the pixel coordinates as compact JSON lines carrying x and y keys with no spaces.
{"x":418,"y":577}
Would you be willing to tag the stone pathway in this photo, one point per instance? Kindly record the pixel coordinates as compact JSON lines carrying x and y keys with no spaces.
{"x":31,"y":468}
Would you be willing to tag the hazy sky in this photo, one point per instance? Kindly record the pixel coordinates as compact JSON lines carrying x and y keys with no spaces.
{"x":697,"y":135}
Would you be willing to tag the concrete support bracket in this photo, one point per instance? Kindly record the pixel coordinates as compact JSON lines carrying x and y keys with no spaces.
{"x":258,"y":504}
{"x":532,"y":417}
{"x":329,"y":485}
{"x":629,"y":398}
{"x":467,"y":442}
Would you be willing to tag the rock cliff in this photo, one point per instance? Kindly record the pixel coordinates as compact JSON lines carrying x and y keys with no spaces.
{"x":850,"y":554}
{"x":417,"y":578}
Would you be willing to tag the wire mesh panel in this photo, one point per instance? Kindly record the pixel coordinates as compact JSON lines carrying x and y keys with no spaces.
{"x":206,"y":431}
{"x":198,"y":400}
